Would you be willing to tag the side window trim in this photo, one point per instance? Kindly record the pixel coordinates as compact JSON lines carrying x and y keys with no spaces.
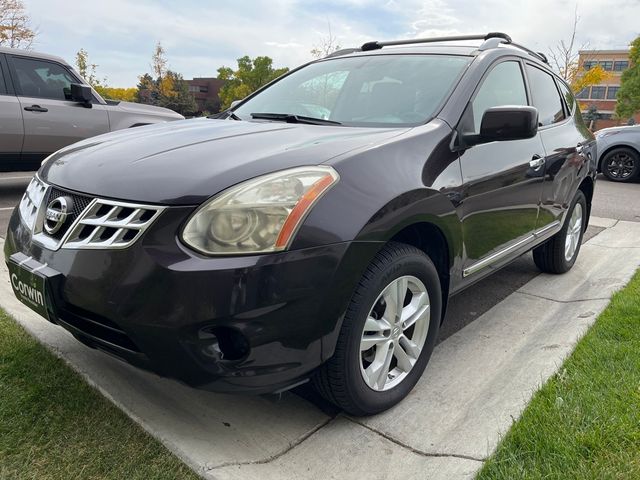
{"x":559,"y":84}
{"x":562,"y":100}
{"x":6,"y":87}
{"x":16,"y":83}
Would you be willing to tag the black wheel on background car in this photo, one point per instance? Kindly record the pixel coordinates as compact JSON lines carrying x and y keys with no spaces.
{"x":387,"y":335}
{"x":621,"y":165}
{"x":559,"y":253}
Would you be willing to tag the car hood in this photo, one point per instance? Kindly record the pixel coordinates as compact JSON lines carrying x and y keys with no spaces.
{"x":142,"y":109}
{"x":186,"y":162}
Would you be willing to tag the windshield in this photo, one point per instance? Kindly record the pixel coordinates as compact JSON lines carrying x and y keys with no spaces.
{"x":376,"y":90}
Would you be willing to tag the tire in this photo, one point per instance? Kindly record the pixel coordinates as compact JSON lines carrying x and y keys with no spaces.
{"x":342,"y":380}
{"x":621,"y":165}
{"x":555,"y":255}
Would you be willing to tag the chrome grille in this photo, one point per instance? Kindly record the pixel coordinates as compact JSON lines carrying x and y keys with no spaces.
{"x":31,"y":201}
{"x":78,"y":205}
{"x":94,"y":223}
{"x":109,"y":224}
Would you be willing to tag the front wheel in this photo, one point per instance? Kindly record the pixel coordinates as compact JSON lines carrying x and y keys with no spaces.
{"x":387,"y":335}
{"x":559,"y":253}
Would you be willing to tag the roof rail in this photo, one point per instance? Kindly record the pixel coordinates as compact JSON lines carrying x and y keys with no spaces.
{"x":491,"y":40}
{"x":484,"y":36}
{"x":343,"y":51}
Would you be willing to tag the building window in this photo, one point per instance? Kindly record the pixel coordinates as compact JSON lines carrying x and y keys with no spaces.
{"x":607,"y":65}
{"x":589,"y":64}
{"x":620,"y":65}
{"x":194,"y":88}
{"x":612,"y":92}
{"x":203,"y":89}
{"x":597,"y":93}
{"x":583,"y":94}
{"x":604,"y":116}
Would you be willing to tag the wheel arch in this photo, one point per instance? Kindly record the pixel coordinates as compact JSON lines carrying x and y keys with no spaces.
{"x":429,"y":238}
{"x":426,"y":219}
{"x":587,"y":187}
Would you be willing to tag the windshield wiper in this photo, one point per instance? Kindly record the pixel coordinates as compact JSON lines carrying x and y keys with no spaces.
{"x":291,"y":118}
{"x":224,"y":115}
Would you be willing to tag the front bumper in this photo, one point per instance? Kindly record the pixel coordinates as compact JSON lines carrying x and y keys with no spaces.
{"x":256,"y":323}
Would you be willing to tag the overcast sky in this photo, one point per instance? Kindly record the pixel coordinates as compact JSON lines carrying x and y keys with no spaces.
{"x":200,"y":36}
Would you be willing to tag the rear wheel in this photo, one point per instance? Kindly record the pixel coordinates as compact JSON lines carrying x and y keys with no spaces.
{"x":621,"y":165}
{"x":387,"y":335}
{"x":559,"y":253}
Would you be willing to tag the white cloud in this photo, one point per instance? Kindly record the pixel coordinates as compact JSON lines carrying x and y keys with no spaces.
{"x":201,"y":36}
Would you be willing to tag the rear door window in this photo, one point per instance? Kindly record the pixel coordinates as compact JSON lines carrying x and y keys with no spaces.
{"x":545,"y":96}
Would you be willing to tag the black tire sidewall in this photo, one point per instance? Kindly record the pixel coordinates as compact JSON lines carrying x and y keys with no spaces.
{"x":420,"y":266}
{"x":636,"y":165}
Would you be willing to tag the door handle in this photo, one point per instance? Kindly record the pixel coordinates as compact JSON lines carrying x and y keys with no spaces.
{"x":536,"y":162}
{"x":36,"y":108}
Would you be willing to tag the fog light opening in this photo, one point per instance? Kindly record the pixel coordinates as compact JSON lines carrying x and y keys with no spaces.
{"x":224,"y":343}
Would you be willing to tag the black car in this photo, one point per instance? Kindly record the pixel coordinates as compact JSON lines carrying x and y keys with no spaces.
{"x":316,"y":230}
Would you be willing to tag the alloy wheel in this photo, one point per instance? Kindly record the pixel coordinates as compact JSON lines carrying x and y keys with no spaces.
{"x":394,"y":333}
{"x":574,"y":232}
{"x":620,"y":166}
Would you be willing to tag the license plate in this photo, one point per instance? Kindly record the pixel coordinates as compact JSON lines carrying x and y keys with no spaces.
{"x":29,"y":285}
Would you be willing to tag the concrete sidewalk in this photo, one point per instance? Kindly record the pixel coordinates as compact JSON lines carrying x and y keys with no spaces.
{"x":477,"y":382}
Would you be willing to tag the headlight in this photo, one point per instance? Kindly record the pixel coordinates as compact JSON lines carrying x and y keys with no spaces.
{"x":259,"y":215}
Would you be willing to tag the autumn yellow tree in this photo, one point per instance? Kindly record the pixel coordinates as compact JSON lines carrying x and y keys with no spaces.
{"x":15,"y":25}
{"x":168,"y":88}
{"x":115,"y":93}
{"x":565,"y":59}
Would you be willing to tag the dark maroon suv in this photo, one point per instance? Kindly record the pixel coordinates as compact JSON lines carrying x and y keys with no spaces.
{"x":316,"y":230}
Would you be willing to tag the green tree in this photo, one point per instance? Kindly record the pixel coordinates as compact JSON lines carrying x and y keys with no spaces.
{"x":591,"y":116}
{"x":176,"y":95}
{"x":87,"y":70}
{"x":147,"y":92}
{"x":247,"y":78}
{"x":15,"y":25}
{"x":629,"y":94}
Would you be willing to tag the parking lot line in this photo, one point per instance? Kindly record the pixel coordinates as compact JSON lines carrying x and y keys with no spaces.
{"x":2,"y":209}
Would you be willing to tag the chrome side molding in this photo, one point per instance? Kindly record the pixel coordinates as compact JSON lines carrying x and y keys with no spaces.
{"x":497,"y":256}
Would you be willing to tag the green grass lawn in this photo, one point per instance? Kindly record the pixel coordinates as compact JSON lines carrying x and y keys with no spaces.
{"x":53,"y":425}
{"x":585,"y":422}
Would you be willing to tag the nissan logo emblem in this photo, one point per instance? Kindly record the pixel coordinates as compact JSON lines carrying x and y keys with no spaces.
{"x":56,"y":214}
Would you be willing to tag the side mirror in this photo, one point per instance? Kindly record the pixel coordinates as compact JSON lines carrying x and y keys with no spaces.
{"x":82,"y":94}
{"x":508,"y":122}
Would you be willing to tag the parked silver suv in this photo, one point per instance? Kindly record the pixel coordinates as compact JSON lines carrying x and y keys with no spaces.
{"x":46,"y":105}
